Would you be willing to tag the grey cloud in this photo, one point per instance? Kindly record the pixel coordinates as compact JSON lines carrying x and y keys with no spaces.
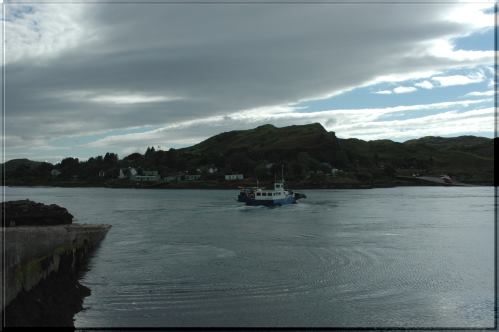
{"x":219,"y":58}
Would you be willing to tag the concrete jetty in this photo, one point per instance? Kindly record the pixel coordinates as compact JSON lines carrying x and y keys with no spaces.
{"x":32,"y":253}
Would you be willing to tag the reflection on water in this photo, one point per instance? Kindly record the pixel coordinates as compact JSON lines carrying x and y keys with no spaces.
{"x":414,"y":257}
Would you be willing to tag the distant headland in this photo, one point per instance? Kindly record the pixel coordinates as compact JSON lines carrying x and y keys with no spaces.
{"x":312,"y":158}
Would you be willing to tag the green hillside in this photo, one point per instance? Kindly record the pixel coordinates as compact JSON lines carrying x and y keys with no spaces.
{"x":271,"y":143}
{"x":467,"y":158}
{"x":310,"y":156}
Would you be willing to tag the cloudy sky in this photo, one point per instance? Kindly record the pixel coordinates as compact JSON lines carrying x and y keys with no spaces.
{"x":82,"y":79}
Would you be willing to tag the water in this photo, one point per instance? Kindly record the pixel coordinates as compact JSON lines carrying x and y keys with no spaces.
{"x":398,"y":257}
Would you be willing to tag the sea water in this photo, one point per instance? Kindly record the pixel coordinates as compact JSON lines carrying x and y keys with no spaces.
{"x":393,"y":257}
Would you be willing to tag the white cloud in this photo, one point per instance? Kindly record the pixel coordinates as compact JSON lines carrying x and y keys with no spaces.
{"x":231,"y":58}
{"x":480,"y":93}
{"x":397,"y":90}
{"x":114,"y":97}
{"x":424,"y":84}
{"x":345,"y":122}
{"x":131,"y":99}
{"x":447,"y":123}
{"x":472,"y":14}
{"x":459,"y":79}
{"x":38,"y":31}
{"x":404,"y":89}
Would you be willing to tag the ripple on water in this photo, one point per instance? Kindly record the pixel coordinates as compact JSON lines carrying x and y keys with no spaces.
{"x":338,"y":258}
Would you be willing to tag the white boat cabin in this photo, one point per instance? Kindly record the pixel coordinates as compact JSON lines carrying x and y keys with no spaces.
{"x":277,"y":193}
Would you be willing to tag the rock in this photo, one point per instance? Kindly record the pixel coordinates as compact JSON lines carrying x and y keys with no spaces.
{"x":29,"y":213}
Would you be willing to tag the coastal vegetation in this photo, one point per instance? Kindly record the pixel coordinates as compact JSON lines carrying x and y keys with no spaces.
{"x":311,"y":157}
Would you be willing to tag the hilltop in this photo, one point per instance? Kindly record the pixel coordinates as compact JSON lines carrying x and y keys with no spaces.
{"x":311,"y":156}
{"x":272,"y":143}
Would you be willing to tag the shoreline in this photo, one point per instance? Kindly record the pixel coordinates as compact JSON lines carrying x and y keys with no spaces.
{"x":193,"y":186}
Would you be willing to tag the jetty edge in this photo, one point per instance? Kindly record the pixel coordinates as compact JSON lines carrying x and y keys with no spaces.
{"x":36,"y":250}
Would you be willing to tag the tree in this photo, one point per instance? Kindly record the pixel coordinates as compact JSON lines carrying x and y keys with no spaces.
{"x":111,"y":159}
{"x":149,"y":153}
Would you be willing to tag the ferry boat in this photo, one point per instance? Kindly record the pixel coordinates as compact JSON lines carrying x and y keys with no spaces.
{"x":246,"y":192}
{"x":278,"y":196}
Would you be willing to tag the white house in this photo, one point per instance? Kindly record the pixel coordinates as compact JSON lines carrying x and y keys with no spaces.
{"x":232,"y":177}
{"x":55,"y":172}
{"x":146,"y":176}
{"x":129,"y":173}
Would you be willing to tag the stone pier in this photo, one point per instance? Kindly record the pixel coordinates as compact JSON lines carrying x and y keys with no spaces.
{"x":32,"y":253}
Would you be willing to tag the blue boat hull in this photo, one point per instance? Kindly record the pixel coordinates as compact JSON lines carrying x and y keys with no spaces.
{"x":270,"y":202}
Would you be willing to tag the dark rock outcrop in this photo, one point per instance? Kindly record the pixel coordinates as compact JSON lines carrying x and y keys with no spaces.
{"x":29,"y":213}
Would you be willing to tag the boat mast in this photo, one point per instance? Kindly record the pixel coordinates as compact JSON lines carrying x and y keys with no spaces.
{"x":282,"y":172}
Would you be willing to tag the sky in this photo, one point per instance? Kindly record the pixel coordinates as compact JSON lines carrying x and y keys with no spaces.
{"x":83,"y":79}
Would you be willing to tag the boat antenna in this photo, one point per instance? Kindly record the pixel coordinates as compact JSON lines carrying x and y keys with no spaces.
{"x":257,"y":182}
{"x":282,"y":173}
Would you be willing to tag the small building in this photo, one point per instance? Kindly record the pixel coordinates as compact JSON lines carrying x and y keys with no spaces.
{"x":335,"y":171}
{"x":127,"y":173}
{"x":102,"y":173}
{"x":150,"y":173}
{"x":192,"y":177}
{"x":149,"y":176}
{"x":55,"y":172}
{"x":232,"y":177}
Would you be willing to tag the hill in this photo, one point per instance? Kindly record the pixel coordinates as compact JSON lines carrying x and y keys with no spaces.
{"x":467,"y":158}
{"x":15,"y":163}
{"x":271,"y":142}
{"x":310,"y":154}
{"x":245,"y":150}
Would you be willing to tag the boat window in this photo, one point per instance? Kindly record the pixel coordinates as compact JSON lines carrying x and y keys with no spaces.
{"x":258,"y":194}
